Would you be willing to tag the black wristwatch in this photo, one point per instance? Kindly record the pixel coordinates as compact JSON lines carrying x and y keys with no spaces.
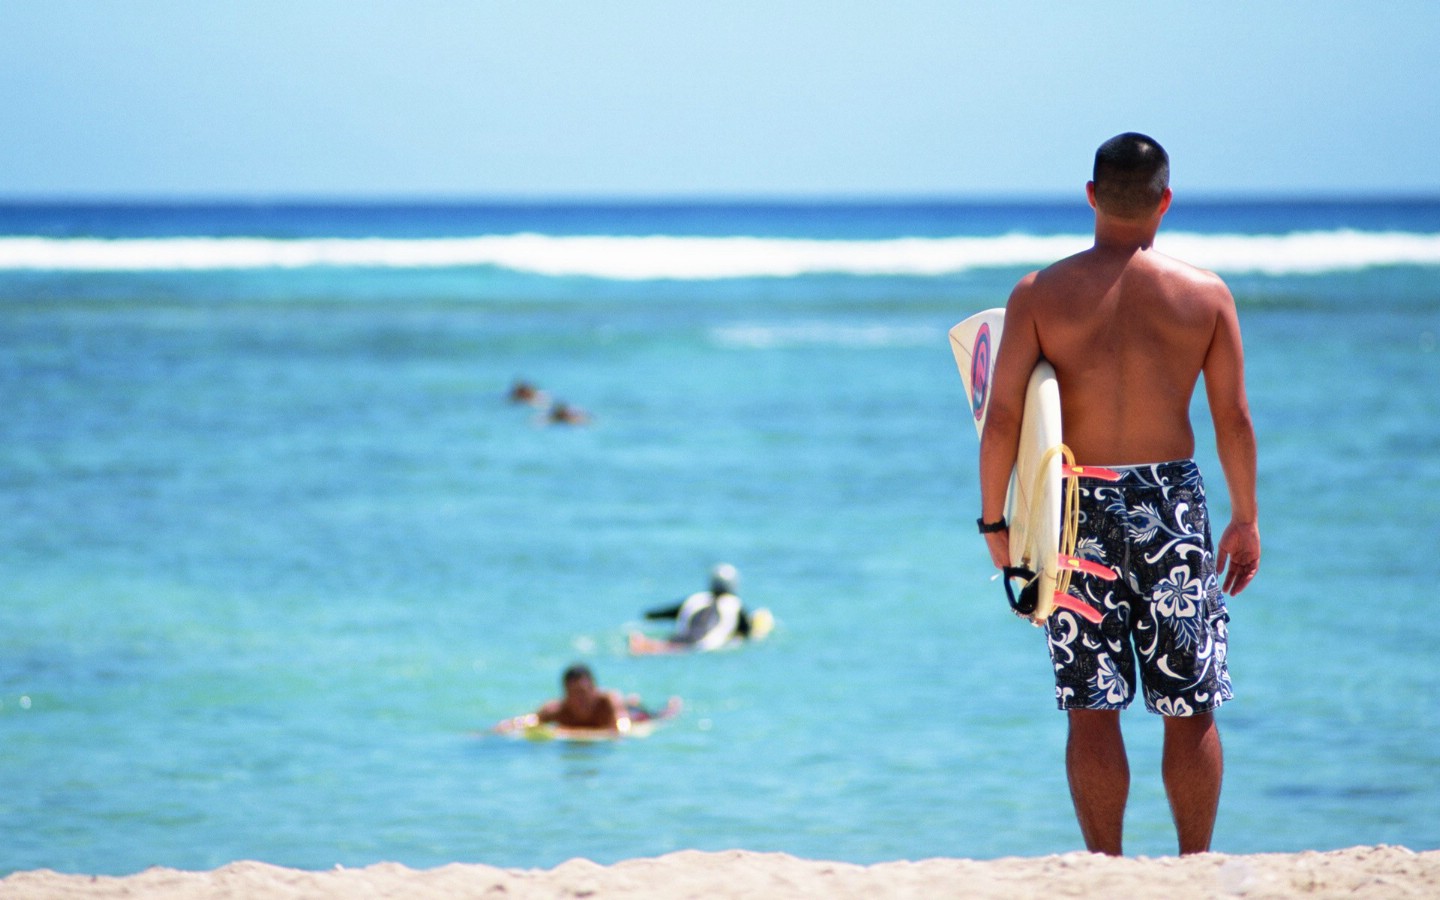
{"x":991,"y":527}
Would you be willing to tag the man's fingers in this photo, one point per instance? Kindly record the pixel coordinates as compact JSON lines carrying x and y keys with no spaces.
{"x":1240,"y":576}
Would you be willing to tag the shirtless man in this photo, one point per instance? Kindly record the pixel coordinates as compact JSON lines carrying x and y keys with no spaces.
{"x":583,"y":706}
{"x":1129,"y":332}
{"x":587,"y":706}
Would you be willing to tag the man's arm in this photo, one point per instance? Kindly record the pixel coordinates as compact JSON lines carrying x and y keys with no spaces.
{"x":1237,"y":557}
{"x":1019,"y":352}
{"x":617,"y":712}
{"x":550,"y":712}
{"x":665,"y":612}
{"x":546,"y":713}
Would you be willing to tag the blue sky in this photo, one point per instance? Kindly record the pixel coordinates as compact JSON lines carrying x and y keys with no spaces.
{"x":431,"y":98}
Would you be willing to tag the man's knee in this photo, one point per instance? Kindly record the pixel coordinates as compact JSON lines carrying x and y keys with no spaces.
{"x":1094,"y":723}
{"x":1192,"y":734}
{"x":1200,"y":723}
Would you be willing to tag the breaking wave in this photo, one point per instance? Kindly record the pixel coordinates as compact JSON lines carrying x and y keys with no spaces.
{"x":667,"y":257}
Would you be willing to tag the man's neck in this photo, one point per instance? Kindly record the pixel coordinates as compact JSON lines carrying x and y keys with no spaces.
{"x":1124,"y":235}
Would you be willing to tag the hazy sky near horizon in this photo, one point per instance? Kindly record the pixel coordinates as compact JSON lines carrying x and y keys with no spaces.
{"x":442,"y":99}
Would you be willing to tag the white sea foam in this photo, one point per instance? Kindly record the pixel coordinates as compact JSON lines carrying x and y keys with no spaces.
{"x":706,"y":258}
{"x":820,"y":333}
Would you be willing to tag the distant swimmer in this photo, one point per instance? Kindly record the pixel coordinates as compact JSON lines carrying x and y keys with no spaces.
{"x":585,"y":705}
{"x":525,"y":393}
{"x":565,"y":414}
{"x":707,"y":620}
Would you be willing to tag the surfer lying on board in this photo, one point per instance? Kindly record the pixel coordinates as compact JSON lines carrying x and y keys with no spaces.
{"x":706,"y":620}
{"x":586,"y":705}
{"x":1129,"y":333}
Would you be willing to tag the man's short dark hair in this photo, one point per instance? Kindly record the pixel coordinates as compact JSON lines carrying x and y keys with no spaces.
{"x":1132,"y":172}
{"x":575,"y":673}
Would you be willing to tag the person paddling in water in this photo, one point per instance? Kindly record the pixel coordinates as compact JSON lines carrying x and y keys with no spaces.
{"x":586,"y":705}
{"x":706,"y":620}
{"x":1129,"y":332}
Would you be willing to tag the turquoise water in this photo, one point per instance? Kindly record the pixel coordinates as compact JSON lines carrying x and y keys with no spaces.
{"x":277,"y":550}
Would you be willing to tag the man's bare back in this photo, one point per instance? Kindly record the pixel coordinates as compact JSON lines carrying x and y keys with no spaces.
{"x":1128,"y":333}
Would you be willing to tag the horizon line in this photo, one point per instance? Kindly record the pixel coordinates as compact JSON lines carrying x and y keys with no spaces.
{"x":578,"y":199}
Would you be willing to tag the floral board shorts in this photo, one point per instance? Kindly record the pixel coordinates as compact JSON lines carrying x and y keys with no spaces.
{"x":1165,"y":611}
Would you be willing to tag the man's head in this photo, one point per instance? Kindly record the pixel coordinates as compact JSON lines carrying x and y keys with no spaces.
{"x":724,"y":579}
{"x":578,"y":680}
{"x":1132,"y":176}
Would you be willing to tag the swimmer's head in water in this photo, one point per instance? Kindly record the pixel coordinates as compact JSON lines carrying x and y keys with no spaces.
{"x":724,"y":579}
{"x":576,"y":673}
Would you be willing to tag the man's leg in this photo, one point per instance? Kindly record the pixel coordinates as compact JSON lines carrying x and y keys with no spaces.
{"x":1193,"y":766}
{"x":1099,"y":777}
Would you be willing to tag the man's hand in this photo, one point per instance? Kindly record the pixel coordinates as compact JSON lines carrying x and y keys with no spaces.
{"x":1237,"y":558}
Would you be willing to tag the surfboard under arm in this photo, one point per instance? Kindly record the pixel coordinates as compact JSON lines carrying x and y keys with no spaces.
{"x":1034,"y":504}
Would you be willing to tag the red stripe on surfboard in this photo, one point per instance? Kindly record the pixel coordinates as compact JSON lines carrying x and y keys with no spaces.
{"x":1091,"y":472}
{"x":1089,"y":567}
{"x":1079,"y":607}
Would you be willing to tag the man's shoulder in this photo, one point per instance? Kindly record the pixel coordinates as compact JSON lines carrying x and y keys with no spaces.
{"x":1192,"y":284}
{"x":1072,"y":263}
{"x":1062,"y":271}
{"x":1188,"y":268}
{"x":1034,"y":283}
{"x":1167,"y":273}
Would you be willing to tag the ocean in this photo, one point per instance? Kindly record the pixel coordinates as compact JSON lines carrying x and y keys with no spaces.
{"x":277,"y":549}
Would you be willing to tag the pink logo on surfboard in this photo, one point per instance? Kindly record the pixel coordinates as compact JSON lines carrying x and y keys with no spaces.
{"x":980,"y":371}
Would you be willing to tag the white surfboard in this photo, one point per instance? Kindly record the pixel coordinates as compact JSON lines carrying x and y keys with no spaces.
{"x":1033,"y":503}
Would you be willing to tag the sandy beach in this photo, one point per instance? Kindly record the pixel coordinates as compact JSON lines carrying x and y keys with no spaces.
{"x":1380,"y":871}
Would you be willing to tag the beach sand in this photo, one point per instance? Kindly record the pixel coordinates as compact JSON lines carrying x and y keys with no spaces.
{"x":1381,"y":871}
